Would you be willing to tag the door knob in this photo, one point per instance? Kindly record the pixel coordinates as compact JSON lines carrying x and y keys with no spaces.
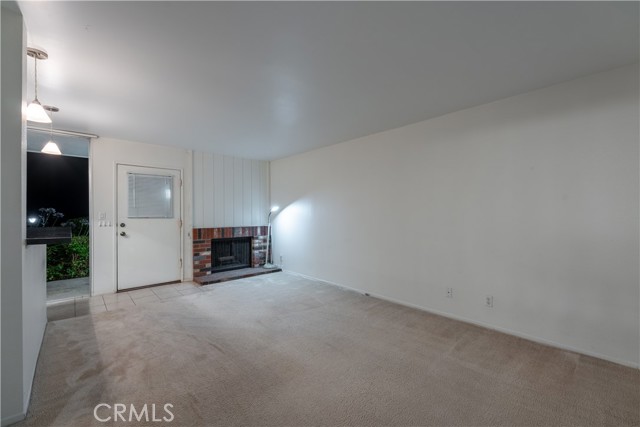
{"x":122,"y":224}
{"x":122,"y":233}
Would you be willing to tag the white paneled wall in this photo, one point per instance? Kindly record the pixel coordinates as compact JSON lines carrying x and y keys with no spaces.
{"x":228,"y":191}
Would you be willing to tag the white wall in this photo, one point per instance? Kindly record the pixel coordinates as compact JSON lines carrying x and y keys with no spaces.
{"x":12,"y":39}
{"x":1,"y":119}
{"x":23,"y":292}
{"x":229,"y":191}
{"x":532,"y":199}
{"x":34,"y":313}
{"x":105,"y":154}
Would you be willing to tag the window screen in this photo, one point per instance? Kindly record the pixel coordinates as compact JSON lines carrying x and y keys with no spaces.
{"x":150,"y":196}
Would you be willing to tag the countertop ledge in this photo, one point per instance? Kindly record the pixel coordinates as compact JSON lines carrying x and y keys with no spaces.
{"x":48,"y":235}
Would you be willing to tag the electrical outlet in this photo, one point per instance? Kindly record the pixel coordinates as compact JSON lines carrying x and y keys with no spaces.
{"x":449,"y":292}
{"x":488,"y":301}
{"x":280,"y":259}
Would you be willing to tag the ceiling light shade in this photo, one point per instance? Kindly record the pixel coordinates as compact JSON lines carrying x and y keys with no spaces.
{"x":35,"y":113}
{"x":51,"y":148}
{"x":275,"y":208}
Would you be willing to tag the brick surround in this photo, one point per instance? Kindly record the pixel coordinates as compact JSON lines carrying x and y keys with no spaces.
{"x":202,"y":245}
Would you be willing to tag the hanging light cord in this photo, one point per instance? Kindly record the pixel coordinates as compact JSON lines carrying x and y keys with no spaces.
{"x":35,"y":64}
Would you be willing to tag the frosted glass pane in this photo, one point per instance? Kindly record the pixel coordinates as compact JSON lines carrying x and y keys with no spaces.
{"x":150,"y":196}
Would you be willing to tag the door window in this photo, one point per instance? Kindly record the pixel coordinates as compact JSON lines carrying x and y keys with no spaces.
{"x":150,"y":196}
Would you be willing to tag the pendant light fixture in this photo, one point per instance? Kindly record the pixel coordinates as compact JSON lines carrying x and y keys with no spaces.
{"x":51,"y":147}
{"x":35,"y":111}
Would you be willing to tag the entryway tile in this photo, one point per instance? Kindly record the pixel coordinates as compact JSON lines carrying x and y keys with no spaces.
{"x":166,"y":297}
{"x":97,"y":300}
{"x":183,"y":286}
{"x":84,"y":309}
{"x":190,"y":291}
{"x":85,"y":305}
{"x":140,"y":293}
{"x":166,"y":292}
{"x":112,"y":298}
{"x":64,"y":310}
{"x":122,"y":303}
{"x":146,"y":299}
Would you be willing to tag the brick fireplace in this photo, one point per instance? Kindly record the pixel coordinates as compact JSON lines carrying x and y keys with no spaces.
{"x":203,"y":238}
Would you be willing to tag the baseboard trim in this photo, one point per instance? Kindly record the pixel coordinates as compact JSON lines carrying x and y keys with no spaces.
{"x":533,"y":338}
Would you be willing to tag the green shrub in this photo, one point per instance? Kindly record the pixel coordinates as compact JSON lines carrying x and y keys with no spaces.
{"x":68,"y":260}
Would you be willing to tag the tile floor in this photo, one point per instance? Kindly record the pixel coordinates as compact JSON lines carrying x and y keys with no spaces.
{"x":67,"y":289}
{"x":84,"y":305}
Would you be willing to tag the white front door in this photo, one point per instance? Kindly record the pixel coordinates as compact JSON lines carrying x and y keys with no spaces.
{"x":149,"y":226}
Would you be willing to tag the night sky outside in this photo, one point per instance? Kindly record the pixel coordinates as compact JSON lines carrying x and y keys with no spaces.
{"x":58,"y":182}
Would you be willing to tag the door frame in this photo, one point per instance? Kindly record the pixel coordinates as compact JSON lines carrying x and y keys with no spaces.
{"x":115,"y":217}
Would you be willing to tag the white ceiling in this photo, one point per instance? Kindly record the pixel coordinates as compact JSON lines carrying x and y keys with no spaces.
{"x":265,"y":80}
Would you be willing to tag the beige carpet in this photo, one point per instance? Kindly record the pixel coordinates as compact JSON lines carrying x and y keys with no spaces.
{"x":283,"y":350}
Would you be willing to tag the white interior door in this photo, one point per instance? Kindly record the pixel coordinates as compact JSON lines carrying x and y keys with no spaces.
{"x":149,"y":226}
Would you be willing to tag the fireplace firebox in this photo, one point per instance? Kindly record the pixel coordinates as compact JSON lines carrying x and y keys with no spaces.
{"x":230,"y":254}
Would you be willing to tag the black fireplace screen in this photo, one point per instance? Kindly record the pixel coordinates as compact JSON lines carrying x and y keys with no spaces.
{"x":230,"y":254}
